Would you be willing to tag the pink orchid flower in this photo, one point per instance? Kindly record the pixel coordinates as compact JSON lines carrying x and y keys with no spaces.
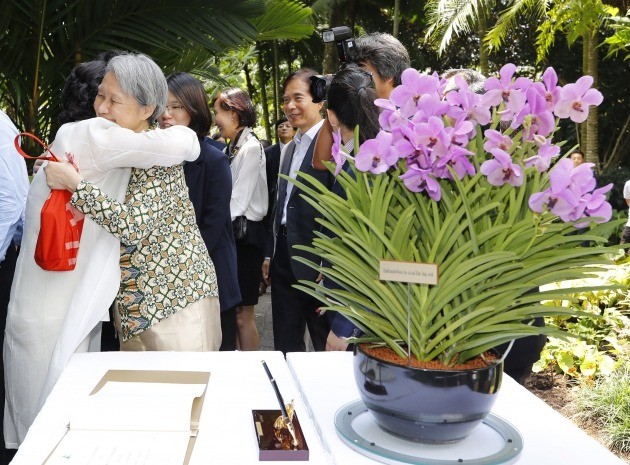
{"x":495,"y":139}
{"x":376,"y":155}
{"x":542,"y":160}
{"x":500,"y":169}
{"x":575,"y":100}
{"x":417,"y":179}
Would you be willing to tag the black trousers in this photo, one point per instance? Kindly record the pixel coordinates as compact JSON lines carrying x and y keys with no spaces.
{"x":293,"y":310}
{"x":228,"y":330}
{"x":7,"y":270}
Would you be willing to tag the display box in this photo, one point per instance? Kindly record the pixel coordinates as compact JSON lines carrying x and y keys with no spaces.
{"x":269,"y":446}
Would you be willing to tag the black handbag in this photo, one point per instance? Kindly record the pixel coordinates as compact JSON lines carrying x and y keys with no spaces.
{"x":239,"y":227}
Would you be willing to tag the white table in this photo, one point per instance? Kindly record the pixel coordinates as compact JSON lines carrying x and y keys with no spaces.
{"x":238,"y":384}
{"x":320,"y":383}
{"x":326,"y":382}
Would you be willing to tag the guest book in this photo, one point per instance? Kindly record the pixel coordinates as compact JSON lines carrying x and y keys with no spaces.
{"x":135,"y":417}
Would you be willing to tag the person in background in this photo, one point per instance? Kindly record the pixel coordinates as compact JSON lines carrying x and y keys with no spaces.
{"x":45,"y":328}
{"x":473,"y":78}
{"x":294,"y":223}
{"x":385,"y":58}
{"x":577,"y":157}
{"x":350,"y":103}
{"x":209,"y":181}
{"x":235,"y":116}
{"x":13,"y":191}
{"x":284,"y":134}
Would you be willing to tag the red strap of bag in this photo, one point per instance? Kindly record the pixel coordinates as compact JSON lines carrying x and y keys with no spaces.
{"x":60,"y":230}
{"x":16,"y":142}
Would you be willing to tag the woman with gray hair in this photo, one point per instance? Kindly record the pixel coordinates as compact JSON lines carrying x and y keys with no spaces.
{"x":168,"y":298}
{"x":47,"y":325}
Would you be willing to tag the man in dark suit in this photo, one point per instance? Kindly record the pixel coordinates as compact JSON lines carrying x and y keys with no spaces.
{"x":284,"y":134}
{"x":293,"y":223}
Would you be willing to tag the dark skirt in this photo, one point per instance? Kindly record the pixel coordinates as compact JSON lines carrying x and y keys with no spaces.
{"x":249,"y":259}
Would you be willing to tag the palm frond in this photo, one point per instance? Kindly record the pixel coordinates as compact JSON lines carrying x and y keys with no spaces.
{"x":531,"y":10}
{"x":284,"y":19}
{"x":451,"y":18}
{"x":41,"y":40}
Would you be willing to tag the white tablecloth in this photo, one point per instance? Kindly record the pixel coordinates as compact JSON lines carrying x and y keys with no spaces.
{"x":320,"y":383}
{"x":238,"y":384}
{"x":326,"y":382}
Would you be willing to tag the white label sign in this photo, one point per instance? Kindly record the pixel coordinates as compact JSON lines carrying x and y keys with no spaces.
{"x":409,"y":272}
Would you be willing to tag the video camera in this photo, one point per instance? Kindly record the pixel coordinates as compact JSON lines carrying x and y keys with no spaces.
{"x":347,"y":50}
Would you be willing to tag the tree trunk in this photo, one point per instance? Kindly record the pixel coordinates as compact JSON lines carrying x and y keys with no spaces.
{"x":582,"y":126}
{"x":592,"y":124}
{"x":617,"y":150}
{"x":248,"y":80}
{"x":396,"y":18}
{"x":482,"y":29}
{"x":276,"y":80}
{"x":264,"y":103}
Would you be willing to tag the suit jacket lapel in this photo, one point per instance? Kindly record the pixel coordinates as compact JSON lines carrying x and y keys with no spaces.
{"x":307,"y":162}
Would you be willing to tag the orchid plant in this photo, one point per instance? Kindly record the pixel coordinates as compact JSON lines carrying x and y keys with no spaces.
{"x":471,"y":182}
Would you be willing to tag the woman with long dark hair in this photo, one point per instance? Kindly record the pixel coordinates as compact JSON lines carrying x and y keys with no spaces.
{"x":350,"y":103}
{"x":209,"y":183}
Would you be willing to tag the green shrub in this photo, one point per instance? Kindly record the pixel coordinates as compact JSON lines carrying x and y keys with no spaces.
{"x":606,"y":405}
{"x":602,"y":340}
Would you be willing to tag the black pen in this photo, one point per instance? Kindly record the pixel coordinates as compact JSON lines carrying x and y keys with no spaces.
{"x":283,"y":408}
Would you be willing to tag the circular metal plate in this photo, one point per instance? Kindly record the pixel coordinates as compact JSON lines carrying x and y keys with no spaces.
{"x":493,"y":442}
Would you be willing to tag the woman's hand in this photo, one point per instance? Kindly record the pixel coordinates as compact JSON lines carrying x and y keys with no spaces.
{"x":62,"y":175}
{"x":335,"y":343}
{"x":38,"y":164}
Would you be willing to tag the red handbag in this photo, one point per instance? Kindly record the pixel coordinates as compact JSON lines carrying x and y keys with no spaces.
{"x":61,"y":224}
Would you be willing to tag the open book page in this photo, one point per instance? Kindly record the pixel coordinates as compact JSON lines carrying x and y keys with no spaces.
{"x":129,"y":406}
{"x":120,"y":448}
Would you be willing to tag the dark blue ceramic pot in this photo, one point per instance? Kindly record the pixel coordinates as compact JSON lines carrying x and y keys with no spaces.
{"x":424,"y":405}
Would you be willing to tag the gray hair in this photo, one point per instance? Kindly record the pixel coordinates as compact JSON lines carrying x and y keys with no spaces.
{"x":474,"y":79}
{"x":139,"y":77}
{"x":385,"y":53}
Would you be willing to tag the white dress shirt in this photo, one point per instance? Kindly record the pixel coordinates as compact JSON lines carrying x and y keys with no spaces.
{"x":13,"y":187}
{"x":250,"y":196}
{"x":302,"y":143}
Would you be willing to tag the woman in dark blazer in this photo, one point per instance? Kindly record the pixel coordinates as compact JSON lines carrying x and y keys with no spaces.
{"x":209,"y":183}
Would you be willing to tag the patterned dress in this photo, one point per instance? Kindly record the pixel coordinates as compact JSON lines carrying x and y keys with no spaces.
{"x":164,"y":262}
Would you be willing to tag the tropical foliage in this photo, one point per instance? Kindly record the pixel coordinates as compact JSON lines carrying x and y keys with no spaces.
{"x":603,"y":333}
{"x":41,"y":40}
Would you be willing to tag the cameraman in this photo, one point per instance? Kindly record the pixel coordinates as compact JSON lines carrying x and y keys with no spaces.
{"x":385,"y":58}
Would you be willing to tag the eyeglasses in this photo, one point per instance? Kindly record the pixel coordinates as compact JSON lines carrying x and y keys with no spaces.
{"x":174,"y":109}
